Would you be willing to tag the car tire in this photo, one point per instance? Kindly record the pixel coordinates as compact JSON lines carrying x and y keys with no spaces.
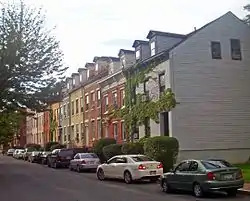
{"x":78,"y":169}
{"x":100,"y":174}
{"x":232,"y":192}
{"x":197,"y":190}
{"x":165,"y":186}
{"x":128,"y":177}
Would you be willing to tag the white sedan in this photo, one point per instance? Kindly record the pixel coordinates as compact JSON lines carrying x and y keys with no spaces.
{"x":129,"y":168}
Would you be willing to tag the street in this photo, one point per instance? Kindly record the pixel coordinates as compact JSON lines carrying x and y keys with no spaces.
{"x":23,"y":181}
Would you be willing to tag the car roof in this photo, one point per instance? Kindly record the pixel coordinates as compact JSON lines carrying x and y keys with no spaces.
{"x":129,"y":155}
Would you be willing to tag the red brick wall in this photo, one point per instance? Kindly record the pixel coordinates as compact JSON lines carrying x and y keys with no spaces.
{"x":110,"y":125}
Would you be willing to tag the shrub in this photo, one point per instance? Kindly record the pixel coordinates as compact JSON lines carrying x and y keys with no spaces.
{"x":57,"y":146}
{"x":132,"y":148}
{"x":34,"y":147}
{"x":48,"y":145}
{"x":112,"y":150}
{"x":164,"y":149}
{"x":99,"y":144}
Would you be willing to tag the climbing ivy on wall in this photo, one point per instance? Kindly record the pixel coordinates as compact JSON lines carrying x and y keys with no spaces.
{"x":52,"y":125}
{"x":139,"y":110}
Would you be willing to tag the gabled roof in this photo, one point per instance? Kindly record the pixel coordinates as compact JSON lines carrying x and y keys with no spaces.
{"x":153,"y":33}
{"x":81,"y":69}
{"x":103,"y":58}
{"x":74,"y":74}
{"x":89,"y":64}
{"x":139,"y":42}
{"x":125,"y":52}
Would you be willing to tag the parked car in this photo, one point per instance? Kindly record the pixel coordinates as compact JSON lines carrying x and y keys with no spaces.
{"x":10,"y":152}
{"x":84,"y":161}
{"x":130,"y":168}
{"x":203,"y":176}
{"x":44,"y":157}
{"x":50,"y":157}
{"x":18,"y":153}
{"x":34,"y":156}
{"x":63,"y":157}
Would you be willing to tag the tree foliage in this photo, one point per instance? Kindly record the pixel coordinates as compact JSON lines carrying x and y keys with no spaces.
{"x":247,"y":18}
{"x":31,"y":62}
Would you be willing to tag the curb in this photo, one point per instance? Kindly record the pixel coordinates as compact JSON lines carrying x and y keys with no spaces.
{"x":244,"y":192}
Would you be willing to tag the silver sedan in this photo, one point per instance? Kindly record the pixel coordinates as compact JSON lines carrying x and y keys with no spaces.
{"x":84,"y":161}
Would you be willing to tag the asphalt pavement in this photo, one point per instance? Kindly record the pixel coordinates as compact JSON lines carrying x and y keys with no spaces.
{"x":23,"y":181}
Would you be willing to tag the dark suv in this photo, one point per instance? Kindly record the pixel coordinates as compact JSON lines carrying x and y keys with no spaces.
{"x":63,"y":157}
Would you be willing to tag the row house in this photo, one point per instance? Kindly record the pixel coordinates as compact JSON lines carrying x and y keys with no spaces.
{"x":92,"y":97}
{"x":208,"y":70}
{"x":54,"y":111}
{"x":113,"y":94}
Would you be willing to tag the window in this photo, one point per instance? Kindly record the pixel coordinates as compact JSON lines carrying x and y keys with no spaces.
{"x":80,"y":77}
{"x":123,"y":131}
{"x":93,"y":96}
{"x":87,"y":132}
{"x":64,"y":111}
{"x":72,"y":130}
{"x":215,"y":164}
{"x":106,"y":103}
{"x":98,"y":97}
{"x":87,"y":102}
{"x":64,"y":134}
{"x":74,"y":81}
{"x":114,"y":99}
{"x":147,"y":127}
{"x":193,"y":166}
{"x":123,"y":62}
{"x":77,"y":156}
{"x":183,"y":167}
{"x":162,"y":83}
{"x":99,"y":129}
{"x":68,"y":133}
{"x":77,"y":106}
{"x":235,"y":49}
{"x":88,"y":73}
{"x":122,"y":96}
{"x":137,"y":54}
{"x":72,"y":108}
{"x":92,"y":129}
{"x":67,"y":85}
{"x":77,"y":133}
{"x":81,"y":104}
{"x":96,"y":67}
{"x":152,"y":46}
{"x":216,"y":50}
{"x":115,"y":130}
{"x":68,"y":109}
{"x":145,"y":88}
{"x":82,"y":131}
{"x":141,"y":158}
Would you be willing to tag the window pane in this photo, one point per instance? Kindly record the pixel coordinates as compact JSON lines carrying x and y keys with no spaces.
{"x":216,"y":50}
{"x":137,"y":54}
{"x":235,"y":49}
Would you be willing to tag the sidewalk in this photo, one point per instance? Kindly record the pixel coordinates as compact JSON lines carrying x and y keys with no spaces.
{"x":246,"y":189}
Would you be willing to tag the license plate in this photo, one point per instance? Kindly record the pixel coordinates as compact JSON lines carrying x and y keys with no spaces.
{"x":228,"y":176}
{"x":152,"y":172}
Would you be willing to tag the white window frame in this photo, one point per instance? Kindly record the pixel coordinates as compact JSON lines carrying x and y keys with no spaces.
{"x":80,"y":78}
{"x":138,"y":54}
{"x":88,"y":73}
{"x":87,"y":99}
{"x":98,"y":94}
{"x":96,"y":67}
{"x":67,"y":85}
{"x":152,"y":48}
{"x":93,"y":96}
{"x":74,"y":81}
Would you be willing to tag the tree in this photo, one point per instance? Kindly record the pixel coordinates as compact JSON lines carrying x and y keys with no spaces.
{"x":247,"y":18}
{"x":31,"y":63}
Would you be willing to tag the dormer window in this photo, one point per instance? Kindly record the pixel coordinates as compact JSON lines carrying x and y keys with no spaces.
{"x":152,"y":47}
{"x":123,"y":62}
{"x":80,"y":77}
{"x":137,"y":54}
{"x":96,"y":67}
{"x":67,"y":85}
{"x":74,"y":81}
{"x":88,"y":73}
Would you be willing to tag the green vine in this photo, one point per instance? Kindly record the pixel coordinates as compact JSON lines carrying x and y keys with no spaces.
{"x":52,"y":125}
{"x":137,"y":109}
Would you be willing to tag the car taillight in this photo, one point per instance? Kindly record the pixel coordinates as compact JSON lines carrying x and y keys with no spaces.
{"x":160,"y":166}
{"x":83,"y":162}
{"x":141,"y":167}
{"x":210,"y":176}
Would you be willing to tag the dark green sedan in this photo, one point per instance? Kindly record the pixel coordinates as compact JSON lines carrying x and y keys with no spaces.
{"x":203,"y":176}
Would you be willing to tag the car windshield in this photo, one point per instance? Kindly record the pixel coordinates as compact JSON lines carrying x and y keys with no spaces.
{"x":214,"y":164}
{"x":89,"y":155}
{"x":141,"y":158}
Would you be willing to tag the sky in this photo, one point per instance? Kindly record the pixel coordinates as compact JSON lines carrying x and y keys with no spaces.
{"x":89,"y":28}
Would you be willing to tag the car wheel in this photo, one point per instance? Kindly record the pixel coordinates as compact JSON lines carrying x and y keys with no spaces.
{"x":100,"y":174}
{"x":232,"y":192}
{"x":165,"y":186}
{"x":197,"y":190}
{"x":78,"y":169}
{"x":127,"y":177}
